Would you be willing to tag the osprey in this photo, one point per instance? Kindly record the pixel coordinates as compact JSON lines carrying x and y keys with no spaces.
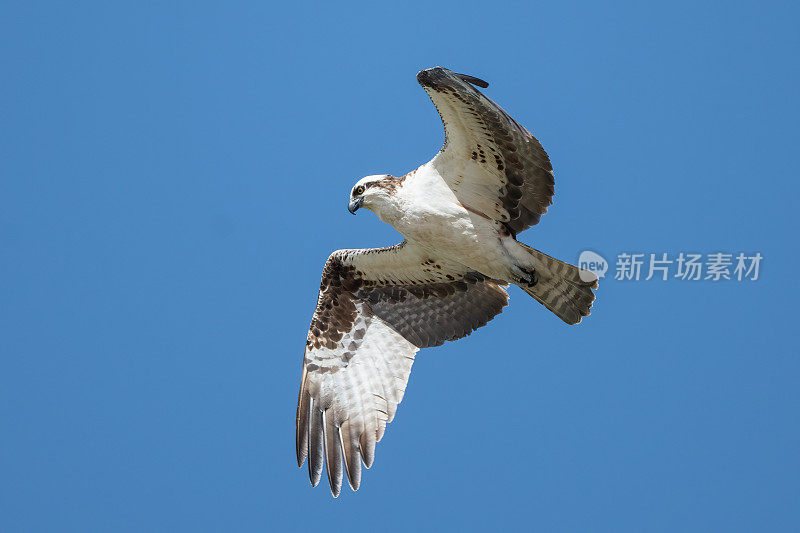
{"x":460,"y":214}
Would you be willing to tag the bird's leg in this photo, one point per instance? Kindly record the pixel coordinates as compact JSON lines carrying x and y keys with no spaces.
{"x":526,"y":276}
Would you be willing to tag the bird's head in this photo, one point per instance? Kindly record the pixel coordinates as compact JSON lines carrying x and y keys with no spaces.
{"x":373,"y":193}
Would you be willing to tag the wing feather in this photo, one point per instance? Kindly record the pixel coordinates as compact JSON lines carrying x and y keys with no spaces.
{"x":367,"y":443}
{"x":350,"y":449}
{"x":333,"y":453}
{"x":315,"y":453}
{"x":375,"y":310}
{"x":303,"y":402}
{"x":493,"y":164}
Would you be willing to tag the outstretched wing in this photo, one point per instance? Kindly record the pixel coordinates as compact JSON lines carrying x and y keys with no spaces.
{"x":493,"y":165}
{"x":375,"y":309}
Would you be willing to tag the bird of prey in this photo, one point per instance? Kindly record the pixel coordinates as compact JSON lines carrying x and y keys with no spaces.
{"x":460,"y":214}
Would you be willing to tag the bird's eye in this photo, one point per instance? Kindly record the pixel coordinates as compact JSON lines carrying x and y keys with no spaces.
{"x":359,"y":190}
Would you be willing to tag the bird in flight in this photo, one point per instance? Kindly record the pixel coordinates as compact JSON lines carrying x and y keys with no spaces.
{"x":460,"y":214}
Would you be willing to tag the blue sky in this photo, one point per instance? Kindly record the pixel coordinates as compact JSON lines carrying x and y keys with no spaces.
{"x":173,"y":177}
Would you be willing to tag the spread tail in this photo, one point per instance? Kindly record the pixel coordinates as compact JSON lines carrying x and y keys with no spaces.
{"x":561,"y":288}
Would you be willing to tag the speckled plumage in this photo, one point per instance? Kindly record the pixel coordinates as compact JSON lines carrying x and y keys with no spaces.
{"x":460,"y":214}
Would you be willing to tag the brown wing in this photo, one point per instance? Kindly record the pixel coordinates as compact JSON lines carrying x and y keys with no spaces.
{"x":375,"y":309}
{"x":493,"y":164}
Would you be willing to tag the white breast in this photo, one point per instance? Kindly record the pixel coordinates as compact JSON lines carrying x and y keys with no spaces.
{"x":429,"y":213}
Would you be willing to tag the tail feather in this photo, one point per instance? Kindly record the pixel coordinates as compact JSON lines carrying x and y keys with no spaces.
{"x":564,"y":289}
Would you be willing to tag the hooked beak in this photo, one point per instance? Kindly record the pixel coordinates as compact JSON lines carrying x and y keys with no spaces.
{"x":354,"y":204}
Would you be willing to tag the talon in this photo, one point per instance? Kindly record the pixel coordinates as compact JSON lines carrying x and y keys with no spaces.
{"x":530,"y":277}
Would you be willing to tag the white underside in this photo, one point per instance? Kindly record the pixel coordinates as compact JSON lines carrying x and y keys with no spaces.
{"x":427,"y":212}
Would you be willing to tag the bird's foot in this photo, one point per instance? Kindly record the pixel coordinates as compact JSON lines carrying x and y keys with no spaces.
{"x":526,"y":276}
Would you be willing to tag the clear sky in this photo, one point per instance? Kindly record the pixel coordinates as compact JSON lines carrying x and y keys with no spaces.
{"x":172,"y":178}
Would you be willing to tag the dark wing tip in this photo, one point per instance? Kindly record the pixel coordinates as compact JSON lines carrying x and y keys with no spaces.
{"x":429,"y":76}
{"x":432,"y":76}
{"x":473,"y":80}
